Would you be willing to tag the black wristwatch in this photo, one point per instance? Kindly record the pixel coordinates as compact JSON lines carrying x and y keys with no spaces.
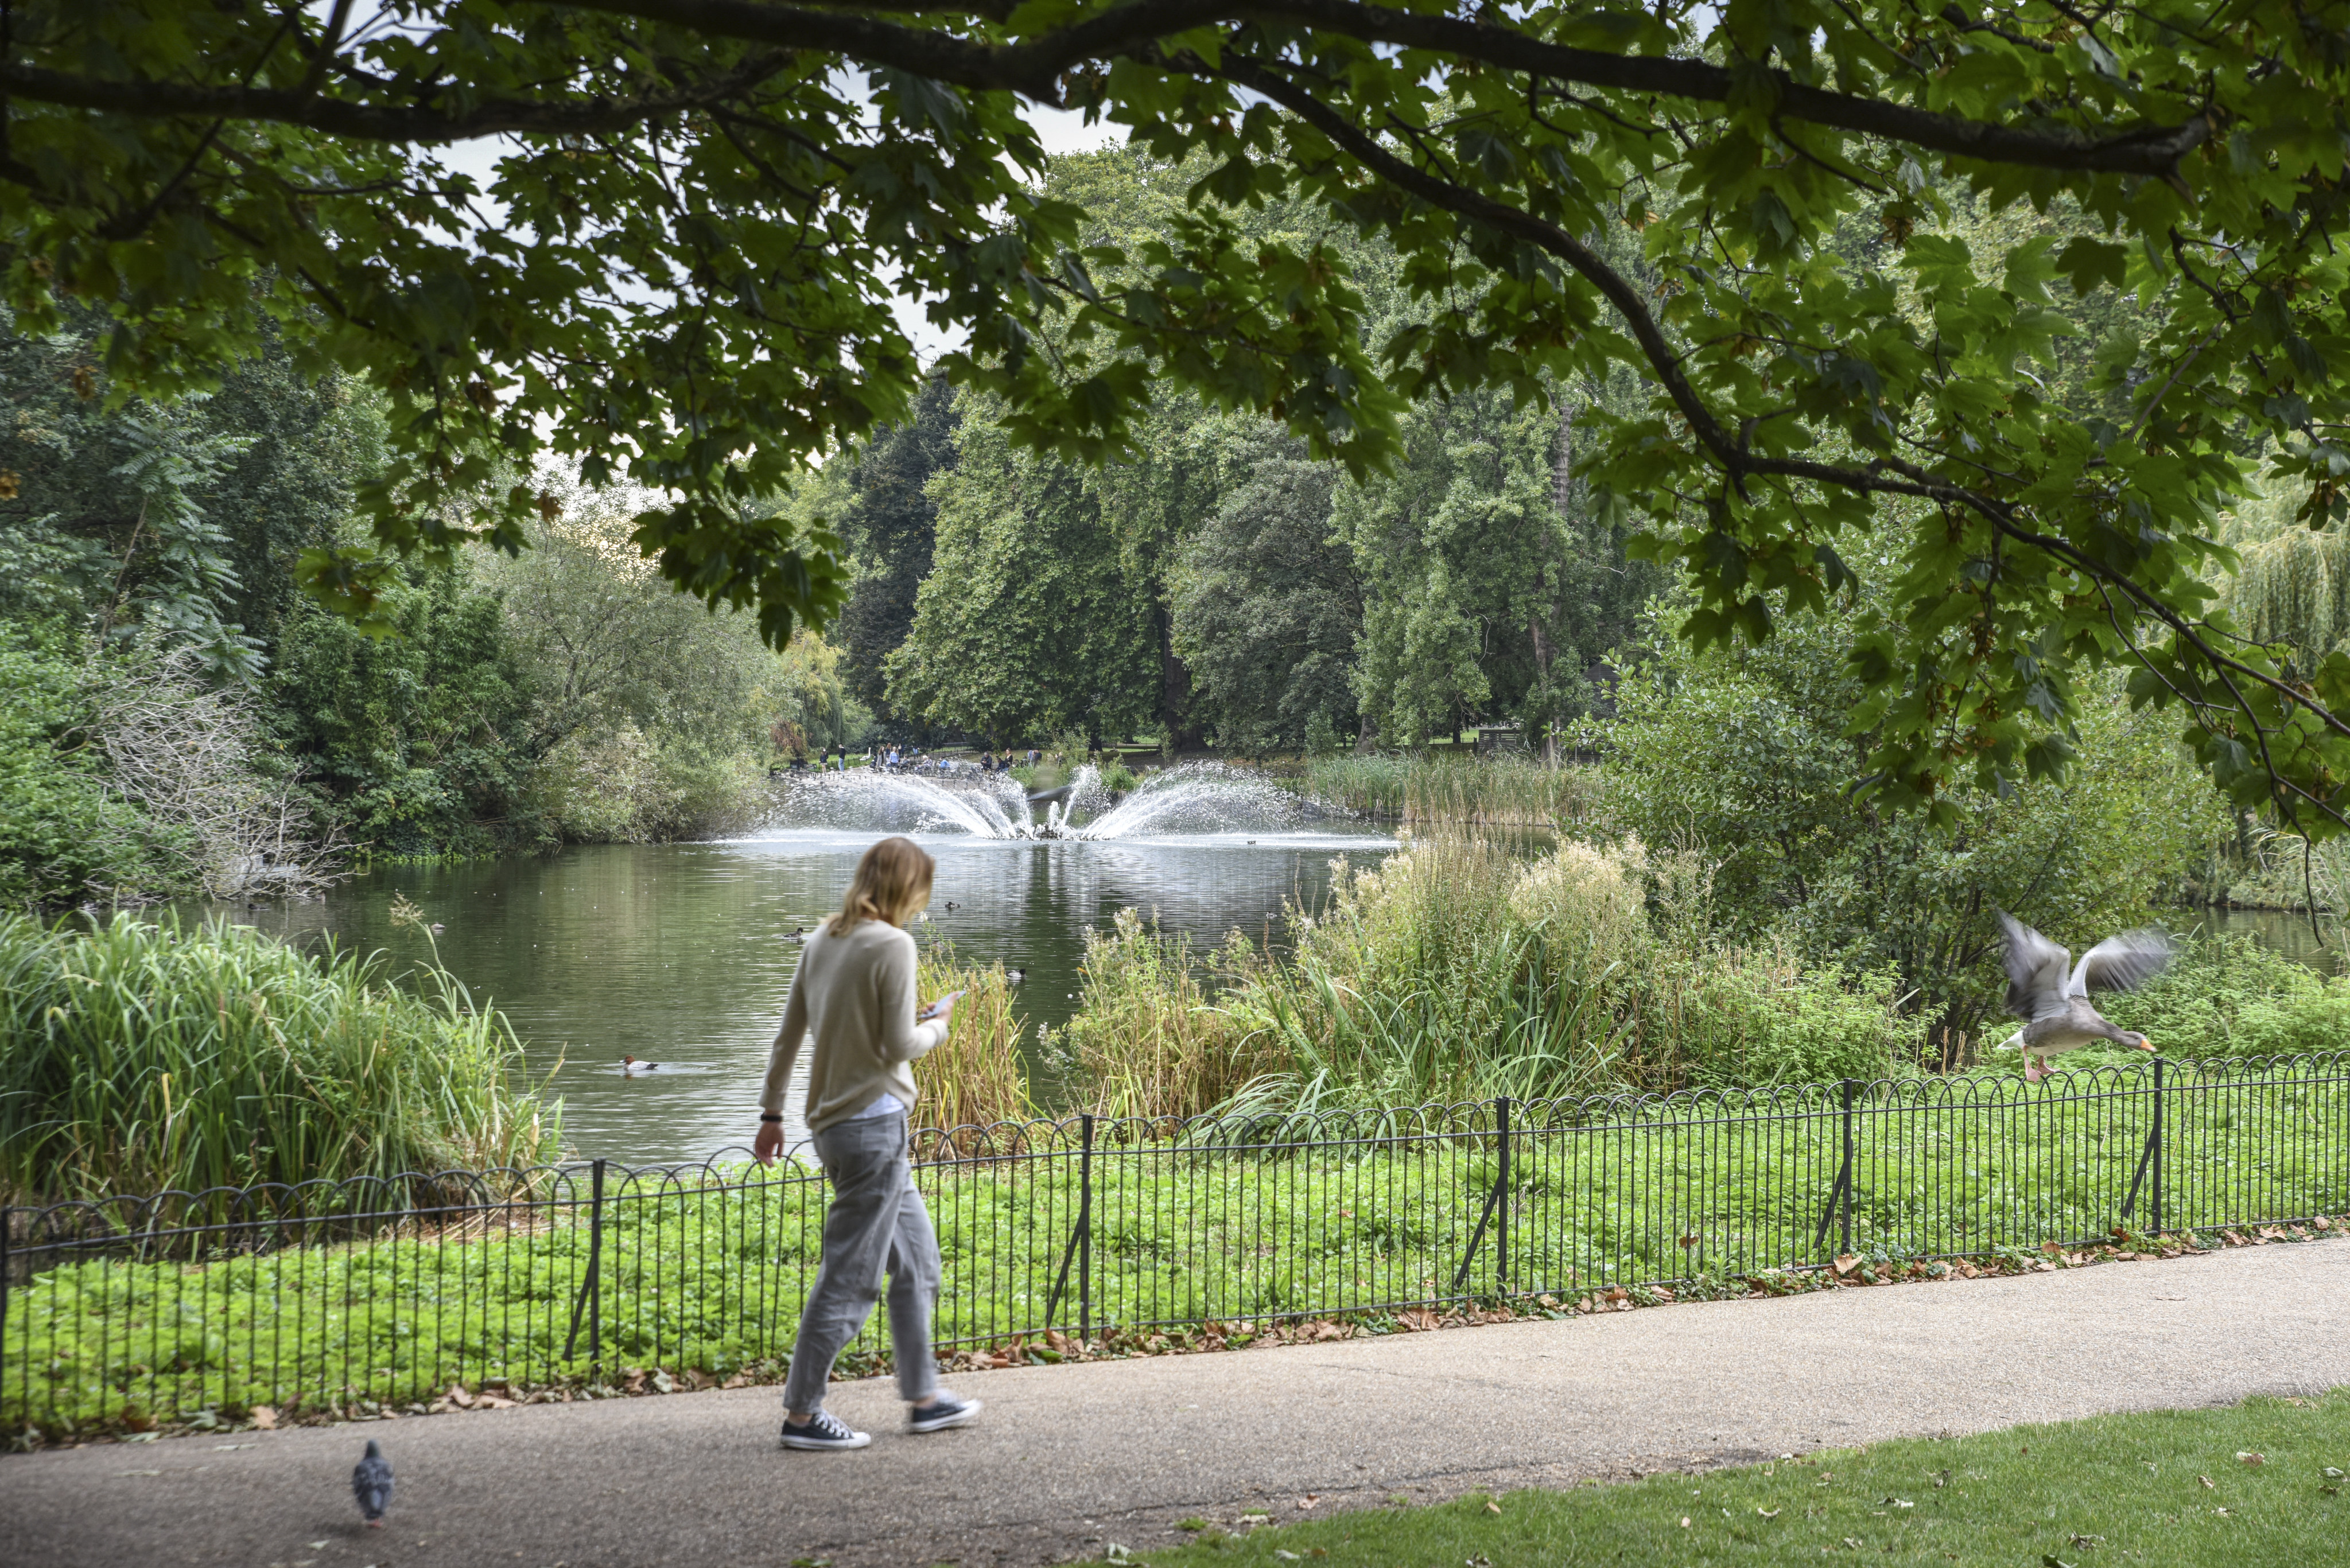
{"x":769,"y":1116}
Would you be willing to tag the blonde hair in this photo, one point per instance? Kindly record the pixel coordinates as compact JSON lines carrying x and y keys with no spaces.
{"x":892,"y":882}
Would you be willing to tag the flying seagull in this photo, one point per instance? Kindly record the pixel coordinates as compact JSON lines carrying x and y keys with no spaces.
{"x":2051,"y":992}
{"x":372,"y":1484}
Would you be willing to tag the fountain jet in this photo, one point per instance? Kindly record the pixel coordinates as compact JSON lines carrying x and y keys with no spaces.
{"x":1194,"y":798}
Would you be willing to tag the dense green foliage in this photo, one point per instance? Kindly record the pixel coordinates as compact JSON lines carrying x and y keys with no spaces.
{"x":758,"y":186}
{"x":2167,"y":1486}
{"x":136,"y":1059}
{"x":62,"y":832}
{"x":1459,"y":971}
{"x":1027,"y":624}
{"x":889,"y":523}
{"x":1746,"y":758}
{"x":2231,"y":997}
{"x":189,"y":722}
{"x":1268,"y":607}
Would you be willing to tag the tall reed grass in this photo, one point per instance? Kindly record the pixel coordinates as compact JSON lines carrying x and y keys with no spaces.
{"x":1456,"y":790}
{"x":1461,"y":969}
{"x":975,"y":1077}
{"x":140,"y":1057}
{"x":1148,"y":1041}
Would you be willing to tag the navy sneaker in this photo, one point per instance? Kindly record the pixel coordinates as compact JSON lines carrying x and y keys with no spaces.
{"x":825,"y":1430}
{"x":940,"y":1414}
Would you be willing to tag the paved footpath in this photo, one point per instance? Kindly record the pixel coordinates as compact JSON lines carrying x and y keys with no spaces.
{"x":1068,"y":1459}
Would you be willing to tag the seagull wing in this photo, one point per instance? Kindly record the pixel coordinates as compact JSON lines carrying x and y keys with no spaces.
{"x":2035,"y":971}
{"x":2121,"y":963}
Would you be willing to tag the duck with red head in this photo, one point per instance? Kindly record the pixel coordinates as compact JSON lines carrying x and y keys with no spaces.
{"x":2051,"y":992}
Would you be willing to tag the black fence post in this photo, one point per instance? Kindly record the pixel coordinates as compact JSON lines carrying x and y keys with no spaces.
{"x":591,"y":1290}
{"x":2154,"y":1205}
{"x":1851,"y":1086}
{"x":1495,"y":1215}
{"x":6,"y":1221}
{"x":1501,"y":1219}
{"x":1086,"y":1229}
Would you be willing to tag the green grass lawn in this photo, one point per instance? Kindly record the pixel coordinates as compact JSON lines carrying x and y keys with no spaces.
{"x":706,"y":1274}
{"x":2170,"y":1487}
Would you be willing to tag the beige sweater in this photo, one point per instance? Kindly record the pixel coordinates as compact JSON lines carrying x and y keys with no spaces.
{"x":855,"y":993}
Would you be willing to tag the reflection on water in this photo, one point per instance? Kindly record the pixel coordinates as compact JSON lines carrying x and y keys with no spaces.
{"x":677,"y":953}
{"x":2288,"y":934}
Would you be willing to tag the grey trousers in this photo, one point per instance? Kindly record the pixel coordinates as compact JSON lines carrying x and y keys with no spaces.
{"x":876,"y":1225}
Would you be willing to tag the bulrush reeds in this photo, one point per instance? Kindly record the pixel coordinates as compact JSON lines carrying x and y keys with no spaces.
{"x":1458,"y":791}
{"x":140,"y":1057}
{"x":975,"y":1077}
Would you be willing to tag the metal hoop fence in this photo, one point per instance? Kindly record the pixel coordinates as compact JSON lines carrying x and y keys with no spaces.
{"x":361,"y":1295}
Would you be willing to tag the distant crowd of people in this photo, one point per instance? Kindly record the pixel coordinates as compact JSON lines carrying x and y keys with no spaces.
{"x":903,"y":760}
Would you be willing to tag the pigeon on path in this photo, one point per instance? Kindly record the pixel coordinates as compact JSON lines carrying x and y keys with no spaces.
{"x":2055,"y":1002}
{"x":372,"y":1484}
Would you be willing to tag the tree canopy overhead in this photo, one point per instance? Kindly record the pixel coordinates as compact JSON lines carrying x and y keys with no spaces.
{"x":683,"y":269}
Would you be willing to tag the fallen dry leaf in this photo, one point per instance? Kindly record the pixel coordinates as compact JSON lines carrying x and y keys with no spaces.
{"x":264,"y":1419}
{"x":1766,"y":1512}
{"x":2253,"y":1460}
{"x":2207,"y":1481}
{"x":1493,"y":1508}
{"x":1684,"y":1521}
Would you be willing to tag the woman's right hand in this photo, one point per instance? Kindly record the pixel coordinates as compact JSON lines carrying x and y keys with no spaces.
{"x":941,"y":1010}
{"x":768,"y":1143}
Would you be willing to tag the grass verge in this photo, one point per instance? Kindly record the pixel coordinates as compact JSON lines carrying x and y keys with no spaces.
{"x":2260,"y":1483}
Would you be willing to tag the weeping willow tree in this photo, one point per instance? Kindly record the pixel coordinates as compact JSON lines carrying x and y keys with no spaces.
{"x":2294,"y":589}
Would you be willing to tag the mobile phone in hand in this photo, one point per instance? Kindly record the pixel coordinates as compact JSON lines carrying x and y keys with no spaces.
{"x":935,"y":1008}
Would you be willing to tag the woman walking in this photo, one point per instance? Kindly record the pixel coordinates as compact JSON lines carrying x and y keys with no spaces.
{"x":854,"y":993}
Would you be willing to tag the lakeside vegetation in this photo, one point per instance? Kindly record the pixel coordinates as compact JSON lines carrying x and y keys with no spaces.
{"x":139,"y":1057}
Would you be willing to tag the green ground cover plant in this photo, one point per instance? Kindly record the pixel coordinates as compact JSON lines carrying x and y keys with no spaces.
{"x":140,"y":1057}
{"x":702,"y":1274}
{"x":2260,"y":1483}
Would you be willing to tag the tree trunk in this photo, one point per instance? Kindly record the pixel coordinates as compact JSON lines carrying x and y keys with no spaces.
{"x":1174,"y":688}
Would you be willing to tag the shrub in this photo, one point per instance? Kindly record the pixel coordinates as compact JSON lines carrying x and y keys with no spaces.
{"x":2229,"y":996}
{"x":1459,"y":970}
